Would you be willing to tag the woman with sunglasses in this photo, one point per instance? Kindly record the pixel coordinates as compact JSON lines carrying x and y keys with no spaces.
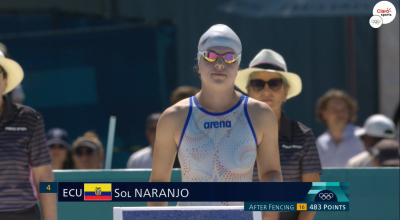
{"x":60,"y":149}
{"x":88,"y":152}
{"x":267,"y":80}
{"x":218,"y":133}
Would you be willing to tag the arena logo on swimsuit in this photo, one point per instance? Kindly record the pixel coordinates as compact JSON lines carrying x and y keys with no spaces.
{"x":216,"y":124}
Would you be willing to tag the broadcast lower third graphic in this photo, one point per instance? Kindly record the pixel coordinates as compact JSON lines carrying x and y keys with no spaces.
{"x":281,"y":197}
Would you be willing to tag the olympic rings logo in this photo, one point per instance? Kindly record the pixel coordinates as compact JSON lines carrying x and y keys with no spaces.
{"x":375,"y":21}
{"x":326,"y":196}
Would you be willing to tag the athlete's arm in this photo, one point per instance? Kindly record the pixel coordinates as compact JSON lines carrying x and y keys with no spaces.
{"x":308,"y":177}
{"x":268,"y":152}
{"x":266,"y":129}
{"x":268,"y":163}
{"x":165,"y":146}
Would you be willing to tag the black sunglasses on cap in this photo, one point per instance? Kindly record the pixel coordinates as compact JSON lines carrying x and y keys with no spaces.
{"x":258,"y":84}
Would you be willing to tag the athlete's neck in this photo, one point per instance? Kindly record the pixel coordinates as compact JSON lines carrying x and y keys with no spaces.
{"x":217,"y":102}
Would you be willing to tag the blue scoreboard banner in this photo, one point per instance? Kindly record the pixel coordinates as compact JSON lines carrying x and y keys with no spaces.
{"x":322,"y":196}
{"x":317,"y":196}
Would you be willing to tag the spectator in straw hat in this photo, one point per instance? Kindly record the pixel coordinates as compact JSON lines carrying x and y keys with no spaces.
{"x":88,"y":152}
{"x":376,"y":128}
{"x":16,"y":95}
{"x":25,"y":159}
{"x":268,"y":80}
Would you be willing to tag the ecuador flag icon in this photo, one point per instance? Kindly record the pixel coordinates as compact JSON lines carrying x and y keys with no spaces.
{"x":97,"y":191}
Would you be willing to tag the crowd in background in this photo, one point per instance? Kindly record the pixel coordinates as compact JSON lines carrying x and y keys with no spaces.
{"x":342,"y":145}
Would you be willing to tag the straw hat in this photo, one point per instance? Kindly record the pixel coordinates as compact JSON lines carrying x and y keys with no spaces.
{"x":15,"y":74}
{"x":271,"y":61}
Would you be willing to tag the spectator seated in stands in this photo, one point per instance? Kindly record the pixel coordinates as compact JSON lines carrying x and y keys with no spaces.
{"x":60,"y":150}
{"x":386,"y":153}
{"x":144,"y":157}
{"x":88,"y":152}
{"x":338,"y":111}
{"x":376,"y":128}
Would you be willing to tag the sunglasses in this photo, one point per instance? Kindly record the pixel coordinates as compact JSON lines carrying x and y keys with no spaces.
{"x":258,"y":84}
{"x":53,"y":146}
{"x":212,"y":56}
{"x":89,"y":152}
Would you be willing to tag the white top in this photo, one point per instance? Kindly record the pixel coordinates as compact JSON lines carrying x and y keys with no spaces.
{"x":141,"y":159}
{"x":333,"y":155}
{"x":362,"y":159}
{"x":217,"y":147}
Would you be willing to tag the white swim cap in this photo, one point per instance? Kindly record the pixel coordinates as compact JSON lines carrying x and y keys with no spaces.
{"x":220,"y":35}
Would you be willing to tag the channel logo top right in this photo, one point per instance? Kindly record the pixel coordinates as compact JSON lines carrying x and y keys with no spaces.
{"x":384,"y":12}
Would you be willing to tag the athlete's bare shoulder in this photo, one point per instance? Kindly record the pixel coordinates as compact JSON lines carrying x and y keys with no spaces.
{"x":178,"y":111}
{"x":262,"y":118}
{"x":258,"y":110}
{"x":173,"y":119}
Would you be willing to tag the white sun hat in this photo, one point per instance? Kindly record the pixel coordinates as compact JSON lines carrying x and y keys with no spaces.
{"x":15,"y":74}
{"x":270,"y":61}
